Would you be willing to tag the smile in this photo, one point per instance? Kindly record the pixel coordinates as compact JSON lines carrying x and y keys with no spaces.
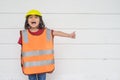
{"x":33,"y":22}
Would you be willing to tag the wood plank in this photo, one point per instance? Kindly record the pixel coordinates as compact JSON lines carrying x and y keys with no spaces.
{"x":65,"y":21}
{"x":82,"y":36}
{"x":62,"y":6}
{"x":82,"y":52}
{"x":82,"y":69}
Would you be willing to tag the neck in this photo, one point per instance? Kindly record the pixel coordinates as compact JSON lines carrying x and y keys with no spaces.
{"x":33,"y":29}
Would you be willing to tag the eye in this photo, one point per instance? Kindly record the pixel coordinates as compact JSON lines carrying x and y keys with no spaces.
{"x":30,"y":17}
{"x":36,"y":16}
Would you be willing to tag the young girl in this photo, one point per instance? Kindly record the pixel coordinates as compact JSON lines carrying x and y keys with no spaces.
{"x":37,"y":54}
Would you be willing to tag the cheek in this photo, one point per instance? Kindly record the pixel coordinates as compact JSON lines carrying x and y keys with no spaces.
{"x":38,"y":21}
{"x":29,"y":21}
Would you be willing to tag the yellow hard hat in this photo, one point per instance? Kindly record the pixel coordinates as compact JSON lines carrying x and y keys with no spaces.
{"x":33,"y":12}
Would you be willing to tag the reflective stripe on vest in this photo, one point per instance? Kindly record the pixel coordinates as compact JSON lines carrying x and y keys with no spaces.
{"x":38,"y":63}
{"x":36,"y":53}
{"x":25,"y":35}
{"x":48,"y":32}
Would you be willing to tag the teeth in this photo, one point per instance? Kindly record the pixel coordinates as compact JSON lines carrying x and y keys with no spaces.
{"x":33,"y":22}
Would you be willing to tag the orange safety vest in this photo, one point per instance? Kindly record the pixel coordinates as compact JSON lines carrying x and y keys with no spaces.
{"x":37,"y":52}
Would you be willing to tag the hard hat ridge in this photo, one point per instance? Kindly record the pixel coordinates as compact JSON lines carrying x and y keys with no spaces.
{"x":33,"y":12}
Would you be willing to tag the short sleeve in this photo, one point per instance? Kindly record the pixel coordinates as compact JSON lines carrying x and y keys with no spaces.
{"x":20,"y":38}
{"x":52,"y":33}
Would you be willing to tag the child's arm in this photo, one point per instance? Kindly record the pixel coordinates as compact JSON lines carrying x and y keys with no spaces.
{"x":62,"y":34}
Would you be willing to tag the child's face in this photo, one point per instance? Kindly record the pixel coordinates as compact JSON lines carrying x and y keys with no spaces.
{"x":33,"y":21}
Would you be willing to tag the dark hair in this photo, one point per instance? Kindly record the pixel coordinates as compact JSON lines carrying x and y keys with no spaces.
{"x":41,"y":24}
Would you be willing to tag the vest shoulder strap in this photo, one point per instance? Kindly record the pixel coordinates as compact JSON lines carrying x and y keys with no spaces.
{"x":48,"y":33}
{"x":25,"y":35}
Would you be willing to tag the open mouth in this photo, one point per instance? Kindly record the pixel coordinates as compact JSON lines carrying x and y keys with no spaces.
{"x":33,"y":22}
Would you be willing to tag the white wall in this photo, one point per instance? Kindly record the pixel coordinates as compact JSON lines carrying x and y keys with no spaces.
{"x":93,"y":55}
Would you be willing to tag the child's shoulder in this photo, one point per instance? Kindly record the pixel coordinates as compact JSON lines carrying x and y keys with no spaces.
{"x":48,"y":28}
{"x":22,"y":30}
